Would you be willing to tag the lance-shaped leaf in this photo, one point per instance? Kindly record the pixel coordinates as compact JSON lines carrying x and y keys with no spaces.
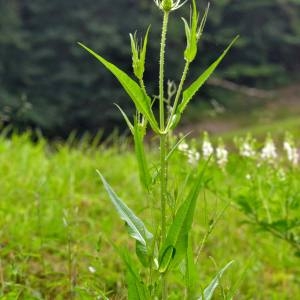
{"x":190,"y":272}
{"x":138,"y":135}
{"x":174,"y":248}
{"x":210,"y":289}
{"x":135,"y":92}
{"x":130,"y":126}
{"x":196,"y":85}
{"x":136,"y":227}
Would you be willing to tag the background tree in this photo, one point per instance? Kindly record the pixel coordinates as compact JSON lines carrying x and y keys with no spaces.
{"x":47,"y":81}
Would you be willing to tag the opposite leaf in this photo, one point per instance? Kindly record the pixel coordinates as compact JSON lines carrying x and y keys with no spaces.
{"x":138,"y":96}
{"x":136,"y":227}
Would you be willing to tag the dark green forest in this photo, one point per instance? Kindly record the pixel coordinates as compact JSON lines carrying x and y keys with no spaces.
{"x":47,"y":81}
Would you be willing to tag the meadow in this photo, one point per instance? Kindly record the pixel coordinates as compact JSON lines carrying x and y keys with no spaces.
{"x":59,"y":231}
{"x":206,"y":220}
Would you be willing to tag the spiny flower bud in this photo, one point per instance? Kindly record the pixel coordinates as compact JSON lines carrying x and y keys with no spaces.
{"x":193,"y":32}
{"x":138,"y":54}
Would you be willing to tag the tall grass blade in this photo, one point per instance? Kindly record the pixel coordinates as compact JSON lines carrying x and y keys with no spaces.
{"x":174,"y":248}
{"x":196,"y":85}
{"x":136,"y":227}
{"x":135,"y":92}
{"x":137,"y":290}
{"x":210,"y":289}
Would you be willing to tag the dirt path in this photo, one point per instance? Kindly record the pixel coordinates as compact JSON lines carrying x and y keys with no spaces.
{"x":285,"y":103}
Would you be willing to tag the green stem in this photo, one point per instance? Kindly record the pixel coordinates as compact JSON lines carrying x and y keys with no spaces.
{"x":163,"y":140}
{"x":161,"y":71}
{"x":178,"y":93}
{"x":163,"y":174}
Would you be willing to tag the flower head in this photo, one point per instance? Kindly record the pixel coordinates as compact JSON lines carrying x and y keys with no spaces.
{"x":169,"y":5}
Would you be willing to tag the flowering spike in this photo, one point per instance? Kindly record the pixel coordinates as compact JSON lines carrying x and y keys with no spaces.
{"x":290,"y":149}
{"x":268,"y":152}
{"x":246,"y":146}
{"x":207,"y":148}
{"x":221,"y":154}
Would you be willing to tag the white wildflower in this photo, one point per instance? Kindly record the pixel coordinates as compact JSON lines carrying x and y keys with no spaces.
{"x":221,"y":154}
{"x":246,"y":146}
{"x":207,"y":148}
{"x":247,"y":150}
{"x":291,"y":152}
{"x":92,"y":269}
{"x":268,"y":152}
{"x":183,"y":147}
{"x":191,"y":153}
{"x":193,"y":156}
{"x":248,"y":177}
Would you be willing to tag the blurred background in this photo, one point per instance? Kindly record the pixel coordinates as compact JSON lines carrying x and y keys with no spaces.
{"x":48,"y":82}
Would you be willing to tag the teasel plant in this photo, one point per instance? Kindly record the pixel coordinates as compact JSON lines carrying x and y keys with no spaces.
{"x":167,"y":246}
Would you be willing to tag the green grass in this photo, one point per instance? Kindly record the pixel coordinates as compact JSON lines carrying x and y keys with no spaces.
{"x":56,"y":222}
